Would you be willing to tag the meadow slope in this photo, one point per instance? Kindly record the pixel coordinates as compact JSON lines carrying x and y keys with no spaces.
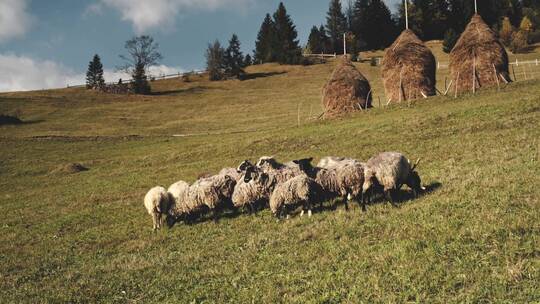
{"x":475,"y":237}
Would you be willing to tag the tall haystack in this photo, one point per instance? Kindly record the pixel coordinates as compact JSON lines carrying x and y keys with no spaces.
{"x":346,"y":91}
{"x":408,"y":69}
{"x":478,"y":53}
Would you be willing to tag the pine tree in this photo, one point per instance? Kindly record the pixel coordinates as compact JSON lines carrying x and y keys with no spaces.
{"x":450,"y":39}
{"x":140,"y":83}
{"x":266,"y":42}
{"x":247,"y":61}
{"x":314,"y":44}
{"x":360,"y":26}
{"x":215,"y":57}
{"x":325,"y":41}
{"x":94,"y":75}
{"x":379,"y":17}
{"x":234,"y":60}
{"x":336,"y":26}
{"x":288,"y":48}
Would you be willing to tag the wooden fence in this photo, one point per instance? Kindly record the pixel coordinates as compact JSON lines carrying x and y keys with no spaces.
{"x":150,"y":77}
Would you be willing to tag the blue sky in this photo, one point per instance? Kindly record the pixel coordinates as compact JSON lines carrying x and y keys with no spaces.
{"x":61,"y":36}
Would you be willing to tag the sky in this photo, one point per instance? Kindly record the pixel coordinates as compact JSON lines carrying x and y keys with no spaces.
{"x":48,"y":43}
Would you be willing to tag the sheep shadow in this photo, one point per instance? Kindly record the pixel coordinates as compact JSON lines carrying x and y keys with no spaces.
{"x":261,"y":75}
{"x":405,"y":195}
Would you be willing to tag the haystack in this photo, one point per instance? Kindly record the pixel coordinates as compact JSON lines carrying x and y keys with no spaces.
{"x":408,"y":69}
{"x":478,"y":53}
{"x":346,"y":91}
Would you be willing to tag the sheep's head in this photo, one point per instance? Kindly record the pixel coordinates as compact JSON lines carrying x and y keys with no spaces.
{"x":304,"y":164}
{"x":268,"y":162}
{"x":414,"y":181}
{"x":171,"y":220}
{"x":252,"y":173}
{"x":370,"y":181}
{"x":244,"y":166}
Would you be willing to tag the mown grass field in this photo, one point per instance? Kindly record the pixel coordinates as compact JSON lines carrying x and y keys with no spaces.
{"x":86,"y":237}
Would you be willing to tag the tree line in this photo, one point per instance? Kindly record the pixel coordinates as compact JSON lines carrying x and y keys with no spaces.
{"x":364,"y":24}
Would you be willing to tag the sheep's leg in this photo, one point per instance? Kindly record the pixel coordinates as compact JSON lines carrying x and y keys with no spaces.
{"x":154,"y":221}
{"x":160,"y":220}
{"x":346,"y":202}
{"x":308,"y":207}
{"x":390,"y":197}
{"x":215,"y":215}
{"x":302,"y":212}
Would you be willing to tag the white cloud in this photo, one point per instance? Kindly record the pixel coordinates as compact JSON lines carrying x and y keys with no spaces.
{"x":145,"y":15}
{"x":93,"y":9}
{"x":21,"y":73}
{"x":14,"y":19}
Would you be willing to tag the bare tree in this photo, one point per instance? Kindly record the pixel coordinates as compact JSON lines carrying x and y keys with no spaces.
{"x":142,"y":54}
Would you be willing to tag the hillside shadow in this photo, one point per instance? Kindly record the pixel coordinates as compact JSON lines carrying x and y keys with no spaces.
{"x":6,"y":120}
{"x":193,"y":90}
{"x":261,"y":75}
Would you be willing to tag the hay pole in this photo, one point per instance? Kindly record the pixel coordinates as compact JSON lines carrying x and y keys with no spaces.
{"x":496,"y":77}
{"x":407,"y":15}
{"x":449,"y":86}
{"x":504,"y":79}
{"x":299,"y":114}
{"x":457,"y":82}
{"x":475,"y":7}
{"x":366,"y":102}
{"x":401,"y":91}
{"x":474,"y":75}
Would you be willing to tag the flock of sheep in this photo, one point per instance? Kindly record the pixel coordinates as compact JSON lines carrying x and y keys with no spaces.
{"x":283,"y":187}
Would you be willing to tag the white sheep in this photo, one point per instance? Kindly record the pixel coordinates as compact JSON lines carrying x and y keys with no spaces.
{"x":297,"y":191}
{"x":206,"y":194}
{"x":389,"y":171}
{"x":157,"y":202}
{"x":344,"y":179}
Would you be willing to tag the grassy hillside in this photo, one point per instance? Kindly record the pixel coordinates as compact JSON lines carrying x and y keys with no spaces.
{"x":86,"y":237}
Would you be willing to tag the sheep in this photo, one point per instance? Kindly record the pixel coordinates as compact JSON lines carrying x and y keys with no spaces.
{"x":232,"y":172}
{"x":207,"y":194}
{"x":157,"y":202}
{"x":388,"y":172}
{"x":254,"y":189}
{"x":300,"y":190}
{"x":332,"y":161}
{"x":269,"y":163}
{"x":344,"y":179}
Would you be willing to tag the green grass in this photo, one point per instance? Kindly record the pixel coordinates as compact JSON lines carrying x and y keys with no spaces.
{"x":87,"y":238}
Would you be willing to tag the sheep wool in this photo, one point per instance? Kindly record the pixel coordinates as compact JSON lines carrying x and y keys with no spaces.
{"x":300,"y":190}
{"x":157,"y":202}
{"x":391,"y":169}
